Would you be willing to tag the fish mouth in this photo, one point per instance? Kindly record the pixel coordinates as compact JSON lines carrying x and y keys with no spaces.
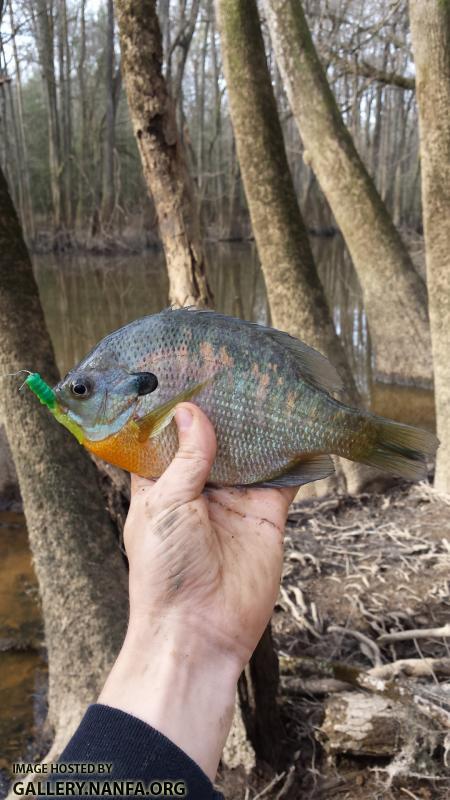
{"x":100,"y":428}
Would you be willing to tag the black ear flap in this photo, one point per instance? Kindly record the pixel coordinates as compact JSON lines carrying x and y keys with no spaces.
{"x":146,"y":382}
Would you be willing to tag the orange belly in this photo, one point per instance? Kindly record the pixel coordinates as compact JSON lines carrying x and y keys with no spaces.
{"x":123,"y":449}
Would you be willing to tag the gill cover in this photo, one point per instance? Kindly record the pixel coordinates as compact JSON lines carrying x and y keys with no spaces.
{"x":101,"y":401}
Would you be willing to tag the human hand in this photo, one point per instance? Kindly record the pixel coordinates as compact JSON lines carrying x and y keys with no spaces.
{"x":204,"y":577}
{"x":211,"y":562}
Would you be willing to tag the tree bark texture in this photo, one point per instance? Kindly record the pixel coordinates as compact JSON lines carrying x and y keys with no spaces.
{"x":45,"y":34}
{"x":394,"y":295}
{"x":162,"y":155}
{"x":430,"y":29}
{"x":258,"y":690}
{"x":81,"y":574}
{"x":296,"y":297}
{"x":108,"y":200}
{"x":65,"y":108}
{"x":180,"y":47}
{"x":83,"y":117}
{"x":22,"y":143}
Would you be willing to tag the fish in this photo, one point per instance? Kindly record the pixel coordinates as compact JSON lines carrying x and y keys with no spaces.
{"x":269,"y":396}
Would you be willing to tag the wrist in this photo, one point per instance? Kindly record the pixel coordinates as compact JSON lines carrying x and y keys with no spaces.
{"x":173,"y":678}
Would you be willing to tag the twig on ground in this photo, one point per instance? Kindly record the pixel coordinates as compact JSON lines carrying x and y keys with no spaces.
{"x":299,"y":618}
{"x":413,"y":668}
{"x":406,"y":791}
{"x":313,"y":686}
{"x":419,"y":633}
{"x":373,"y":647}
{"x":269,"y":786}
{"x":290,"y":777}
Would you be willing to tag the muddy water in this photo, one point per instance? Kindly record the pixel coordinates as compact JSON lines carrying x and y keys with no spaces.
{"x":22,"y":666}
{"x":85,"y":297}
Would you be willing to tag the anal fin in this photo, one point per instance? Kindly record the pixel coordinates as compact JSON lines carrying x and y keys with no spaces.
{"x":306,"y":470}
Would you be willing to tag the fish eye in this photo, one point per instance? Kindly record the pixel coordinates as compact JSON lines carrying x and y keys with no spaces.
{"x":81,"y":387}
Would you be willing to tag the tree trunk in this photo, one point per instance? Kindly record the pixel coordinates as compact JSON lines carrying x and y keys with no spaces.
{"x":162,"y":156}
{"x":83,"y":126}
{"x":200,"y":155}
{"x":216,"y":147}
{"x":296,"y":297}
{"x":108,"y":199}
{"x":295,"y":294}
{"x":394,"y":295}
{"x":12,"y":132}
{"x":5,"y":143}
{"x":46,"y":46}
{"x":182,"y":43}
{"x":258,"y":690}
{"x":167,"y":176}
{"x":65,"y":89}
{"x":24,"y":160}
{"x":430,"y":29}
{"x":81,"y":574}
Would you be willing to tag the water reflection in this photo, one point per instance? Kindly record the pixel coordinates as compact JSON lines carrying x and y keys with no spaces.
{"x":85,"y":296}
{"x":344,"y":295}
{"x":22,"y":668}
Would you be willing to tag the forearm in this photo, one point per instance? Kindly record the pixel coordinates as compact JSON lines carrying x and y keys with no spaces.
{"x":169,"y":677}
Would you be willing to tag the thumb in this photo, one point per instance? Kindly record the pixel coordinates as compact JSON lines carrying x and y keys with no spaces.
{"x":186,"y":475}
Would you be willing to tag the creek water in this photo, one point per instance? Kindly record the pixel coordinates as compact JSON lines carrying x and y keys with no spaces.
{"x":86,"y":296}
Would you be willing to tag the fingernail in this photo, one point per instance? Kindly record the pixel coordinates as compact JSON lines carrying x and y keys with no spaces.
{"x":184,"y":418}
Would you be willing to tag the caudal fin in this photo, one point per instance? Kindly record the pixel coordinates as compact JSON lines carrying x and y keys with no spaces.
{"x":401,"y":449}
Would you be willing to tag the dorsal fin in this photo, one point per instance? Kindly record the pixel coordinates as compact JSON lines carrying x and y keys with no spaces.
{"x":315,"y":368}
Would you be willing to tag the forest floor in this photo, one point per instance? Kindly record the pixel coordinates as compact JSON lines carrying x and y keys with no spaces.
{"x":358,"y":568}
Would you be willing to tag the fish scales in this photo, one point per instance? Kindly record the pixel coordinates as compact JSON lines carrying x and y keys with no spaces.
{"x":267,"y":395}
{"x":253,"y":403}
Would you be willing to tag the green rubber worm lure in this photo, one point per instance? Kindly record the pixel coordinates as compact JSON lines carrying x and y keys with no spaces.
{"x":47,"y":397}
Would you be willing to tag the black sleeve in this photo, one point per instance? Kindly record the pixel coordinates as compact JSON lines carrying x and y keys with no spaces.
{"x":136,"y":751}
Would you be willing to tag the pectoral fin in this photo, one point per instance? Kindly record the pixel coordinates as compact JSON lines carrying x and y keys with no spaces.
{"x":154,"y":422}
